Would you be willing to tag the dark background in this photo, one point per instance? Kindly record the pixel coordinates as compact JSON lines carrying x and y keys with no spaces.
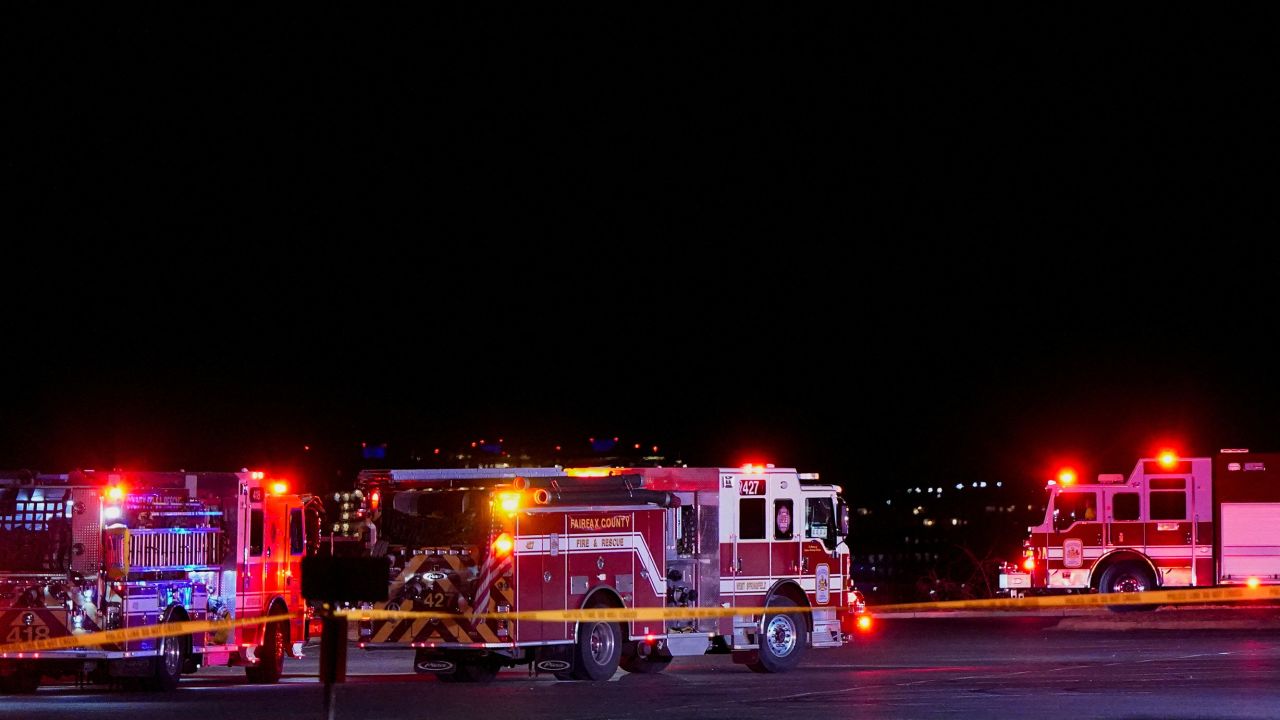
{"x":898,"y":250}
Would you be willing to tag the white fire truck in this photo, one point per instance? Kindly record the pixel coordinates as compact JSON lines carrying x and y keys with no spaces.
{"x":1172,"y":522}
{"x":88,"y":551}
{"x":470,"y":541}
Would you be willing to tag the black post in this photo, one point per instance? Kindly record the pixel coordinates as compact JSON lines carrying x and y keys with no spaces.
{"x":334,"y":580}
{"x":333,"y":654}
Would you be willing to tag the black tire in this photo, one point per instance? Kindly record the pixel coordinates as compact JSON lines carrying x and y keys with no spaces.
{"x":652,"y":664}
{"x":168,"y":666}
{"x":598,"y":651}
{"x":1127,"y":577}
{"x":22,"y":682}
{"x":270,"y":656}
{"x":783,"y":639}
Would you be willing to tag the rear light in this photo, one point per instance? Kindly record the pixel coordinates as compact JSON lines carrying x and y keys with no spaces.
{"x":864,"y":623}
{"x":1029,"y":564}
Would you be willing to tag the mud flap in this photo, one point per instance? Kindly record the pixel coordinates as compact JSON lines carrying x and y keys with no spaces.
{"x":557,"y":659}
{"x":425,"y":661}
{"x":746,"y":657}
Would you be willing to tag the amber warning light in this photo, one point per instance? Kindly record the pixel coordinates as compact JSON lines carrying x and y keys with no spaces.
{"x":503,"y":545}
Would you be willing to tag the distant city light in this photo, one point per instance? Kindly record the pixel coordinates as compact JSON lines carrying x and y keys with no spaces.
{"x":959,"y":486}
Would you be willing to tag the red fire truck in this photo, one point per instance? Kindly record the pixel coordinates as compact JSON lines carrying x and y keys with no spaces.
{"x":88,"y":551}
{"x":1172,"y":522}
{"x":470,"y":541}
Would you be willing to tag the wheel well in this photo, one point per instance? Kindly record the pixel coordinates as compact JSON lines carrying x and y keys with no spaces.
{"x":278,"y":607}
{"x":790,"y":590}
{"x":1116,"y":558}
{"x":603,"y":596}
{"x":177,"y":613}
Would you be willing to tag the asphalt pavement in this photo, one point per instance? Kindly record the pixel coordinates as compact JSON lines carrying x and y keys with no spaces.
{"x":1008,"y":667}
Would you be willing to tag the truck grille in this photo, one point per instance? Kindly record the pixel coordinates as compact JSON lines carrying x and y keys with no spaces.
{"x":199,"y":548}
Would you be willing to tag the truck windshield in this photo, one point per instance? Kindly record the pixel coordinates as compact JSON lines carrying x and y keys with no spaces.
{"x":424,"y":518}
{"x":35,"y":529}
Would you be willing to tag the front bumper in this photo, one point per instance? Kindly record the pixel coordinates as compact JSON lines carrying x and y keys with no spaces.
{"x":1015,"y":581}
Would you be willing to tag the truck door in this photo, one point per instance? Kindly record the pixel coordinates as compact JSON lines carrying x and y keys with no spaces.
{"x":748,"y":563}
{"x":1125,"y":526}
{"x":1169,"y":532}
{"x":1076,"y":539}
{"x":297,"y":547}
{"x":819,"y":548}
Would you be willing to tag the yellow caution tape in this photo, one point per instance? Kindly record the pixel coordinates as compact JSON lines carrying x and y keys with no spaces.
{"x":1151,"y":597}
{"x":645,"y":613}
{"x":109,"y":637}
{"x":1155,"y":597}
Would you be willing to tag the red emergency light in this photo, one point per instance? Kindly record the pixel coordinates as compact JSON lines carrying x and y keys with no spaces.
{"x":1168,"y":459}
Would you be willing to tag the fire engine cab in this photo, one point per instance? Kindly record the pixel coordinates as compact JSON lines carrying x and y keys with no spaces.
{"x":472,"y":541}
{"x":88,"y":551}
{"x":1172,"y":522}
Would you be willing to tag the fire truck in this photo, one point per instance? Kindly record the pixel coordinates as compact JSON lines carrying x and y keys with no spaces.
{"x":474,"y":541}
{"x":1172,"y":522}
{"x":88,"y":551}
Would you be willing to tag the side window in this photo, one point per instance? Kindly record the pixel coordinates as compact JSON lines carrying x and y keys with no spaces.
{"x":1169,"y":505}
{"x":820,"y":521}
{"x":783,"y":525}
{"x":1124,"y":506}
{"x":255,"y":533}
{"x":297,"y":536}
{"x":751,"y":519}
{"x":1074,"y":507}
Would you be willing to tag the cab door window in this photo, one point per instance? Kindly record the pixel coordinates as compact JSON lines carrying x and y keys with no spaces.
{"x":297,"y":536}
{"x":820,"y":521}
{"x":1073,"y":507}
{"x":1124,"y":506}
{"x":751,"y":520}
{"x":255,"y":533}
{"x":1168,"y":505}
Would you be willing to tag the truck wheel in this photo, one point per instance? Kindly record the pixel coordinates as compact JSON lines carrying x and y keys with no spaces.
{"x":22,"y":682}
{"x":1126,"y":578}
{"x":596,"y":655}
{"x":783,"y":639}
{"x":270,"y":657}
{"x":168,"y":665}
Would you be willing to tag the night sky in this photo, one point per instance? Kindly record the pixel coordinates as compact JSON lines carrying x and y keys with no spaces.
{"x":892,"y":250}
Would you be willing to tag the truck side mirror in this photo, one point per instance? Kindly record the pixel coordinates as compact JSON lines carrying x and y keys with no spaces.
{"x":843,"y":513}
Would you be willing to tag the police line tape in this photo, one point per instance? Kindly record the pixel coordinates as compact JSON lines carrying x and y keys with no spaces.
{"x":1153,"y":597}
{"x":608,"y":613}
{"x":1150,"y":597}
{"x":111,"y":637}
